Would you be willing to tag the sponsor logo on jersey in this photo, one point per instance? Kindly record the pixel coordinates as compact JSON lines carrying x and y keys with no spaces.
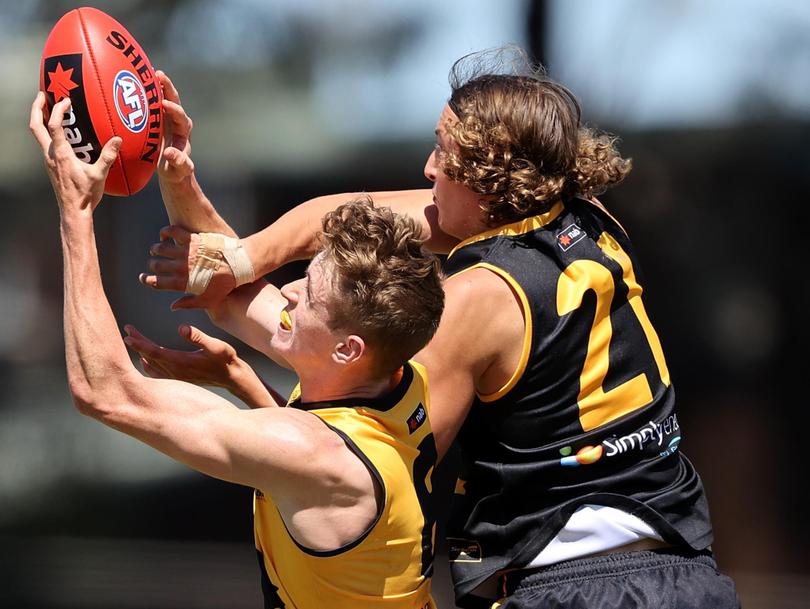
{"x":570,"y":236}
{"x":464,"y":550}
{"x":584,"y":456}
{"x":667,"y":430}
{"x":130,"y":101}
{"x":416,"y":419}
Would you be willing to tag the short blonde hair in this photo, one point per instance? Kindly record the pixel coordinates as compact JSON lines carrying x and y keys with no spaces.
{"x":387,"y":287}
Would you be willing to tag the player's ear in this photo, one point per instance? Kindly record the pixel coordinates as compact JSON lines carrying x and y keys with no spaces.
{"x":349,"y":351}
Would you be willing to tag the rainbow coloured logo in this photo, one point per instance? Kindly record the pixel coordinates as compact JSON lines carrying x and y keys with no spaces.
{"x":585,"y":455}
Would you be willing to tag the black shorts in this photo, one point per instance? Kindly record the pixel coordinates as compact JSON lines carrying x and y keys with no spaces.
{"x":660,"y":579}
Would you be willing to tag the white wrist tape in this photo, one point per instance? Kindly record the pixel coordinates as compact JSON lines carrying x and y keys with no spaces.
{"x":212,"y":249}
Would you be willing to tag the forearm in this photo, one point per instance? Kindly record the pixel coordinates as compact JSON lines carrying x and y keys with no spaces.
{"x":294,"y":236}
{"x":97,"y":360}
{"x":187,"y":206}
{"x":252,"y":390}
{"x":251,"y":313}
{"x":105,"y":384}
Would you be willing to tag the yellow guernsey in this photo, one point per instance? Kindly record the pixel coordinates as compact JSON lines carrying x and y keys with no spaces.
{"x":391,"y":564}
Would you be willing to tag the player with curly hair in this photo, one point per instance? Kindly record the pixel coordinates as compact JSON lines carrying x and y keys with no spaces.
{"x":545,"y":367}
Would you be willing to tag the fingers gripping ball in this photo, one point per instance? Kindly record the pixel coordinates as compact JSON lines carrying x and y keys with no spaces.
{"x":95,"y":61}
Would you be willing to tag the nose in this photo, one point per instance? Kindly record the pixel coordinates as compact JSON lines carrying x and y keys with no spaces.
{"x":291,"y":290}
{"x":431,"y":167}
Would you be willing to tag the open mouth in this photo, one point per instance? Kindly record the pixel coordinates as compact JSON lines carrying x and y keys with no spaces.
{"x":286,"y":320}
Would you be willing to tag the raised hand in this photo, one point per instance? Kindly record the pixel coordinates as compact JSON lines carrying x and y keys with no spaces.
{"x":175,"y":162}
{"x":79,"y":186}
{"x":172,"y":261}
{"x":213,"y":363}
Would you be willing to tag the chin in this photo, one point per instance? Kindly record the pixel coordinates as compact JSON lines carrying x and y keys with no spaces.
{"x":277,"y":345}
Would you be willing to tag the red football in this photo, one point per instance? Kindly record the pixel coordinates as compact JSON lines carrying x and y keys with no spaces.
{"x":95,"y":61}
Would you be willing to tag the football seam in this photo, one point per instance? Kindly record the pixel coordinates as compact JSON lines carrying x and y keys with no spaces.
{"x":89,"y":48}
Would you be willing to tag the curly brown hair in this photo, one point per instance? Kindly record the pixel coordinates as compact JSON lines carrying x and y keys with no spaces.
{"x":388,"y":286}
{"x":519,"y":140}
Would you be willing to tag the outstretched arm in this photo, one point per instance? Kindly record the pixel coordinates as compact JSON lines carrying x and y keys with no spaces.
{"x":249,"y":313}
{"x":294,"y":236}
{"x":269,"y":448}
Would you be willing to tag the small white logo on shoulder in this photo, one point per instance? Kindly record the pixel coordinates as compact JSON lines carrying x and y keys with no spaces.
{"x":570,"y":236}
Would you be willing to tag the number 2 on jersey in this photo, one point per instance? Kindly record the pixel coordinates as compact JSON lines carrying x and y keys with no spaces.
{"x":597,"y":406}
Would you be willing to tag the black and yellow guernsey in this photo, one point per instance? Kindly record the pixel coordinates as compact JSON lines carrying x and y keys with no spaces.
{"x":588,"y":417}
{"x":390,"y":565}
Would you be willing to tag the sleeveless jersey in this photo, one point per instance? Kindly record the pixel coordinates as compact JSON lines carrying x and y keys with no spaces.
{"x":587,"y":418}
{"x":390,"y":565}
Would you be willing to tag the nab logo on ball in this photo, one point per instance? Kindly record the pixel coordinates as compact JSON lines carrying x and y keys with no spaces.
{"x":130,"y":101}
{"x":114,"y":92}
{"x":63,"y":78}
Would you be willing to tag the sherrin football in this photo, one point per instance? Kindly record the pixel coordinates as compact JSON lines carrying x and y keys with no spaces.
{"x":95,"y":61}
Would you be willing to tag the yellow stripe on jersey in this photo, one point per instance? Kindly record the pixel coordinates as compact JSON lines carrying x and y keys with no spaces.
{"x":521,"y":227}
{"x":527,"y":331}
{"x":386,"y":567}
{"x":611,"y":247}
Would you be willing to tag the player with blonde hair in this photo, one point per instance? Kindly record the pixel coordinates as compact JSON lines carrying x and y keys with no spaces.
{"x":343,"y":514}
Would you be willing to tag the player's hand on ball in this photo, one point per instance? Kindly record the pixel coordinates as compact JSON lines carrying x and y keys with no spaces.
{"x":78,"y":185}
{"x":215,"y":362}
{"x":173,"y":262}
{"x":175,"y":162}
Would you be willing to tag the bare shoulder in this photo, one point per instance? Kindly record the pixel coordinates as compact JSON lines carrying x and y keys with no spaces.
{"x":309,"y":448}
{"x":476,"y":347}
{"x":481,"y":295}
{"x":479,"y":281}
{"x":482,"y":314}
{"x":328,"y":496}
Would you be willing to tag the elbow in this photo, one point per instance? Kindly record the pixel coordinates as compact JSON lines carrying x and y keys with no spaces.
{"x":84,"y":398}
{"x":102,"y":401}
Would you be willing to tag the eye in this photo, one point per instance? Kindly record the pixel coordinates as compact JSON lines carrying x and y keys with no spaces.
{"x":439,"y":152}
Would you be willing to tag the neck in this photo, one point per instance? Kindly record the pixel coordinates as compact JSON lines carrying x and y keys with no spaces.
{"x":313,"y":389}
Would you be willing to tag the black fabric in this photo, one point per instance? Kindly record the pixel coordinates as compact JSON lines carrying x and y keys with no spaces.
{"x":269,"y":591}
{"x":521,"y":452}
{"x":632,"y":580}
{"x":382,"y":403}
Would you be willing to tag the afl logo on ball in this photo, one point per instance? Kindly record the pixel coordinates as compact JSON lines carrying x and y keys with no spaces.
{"x":130,"y":101}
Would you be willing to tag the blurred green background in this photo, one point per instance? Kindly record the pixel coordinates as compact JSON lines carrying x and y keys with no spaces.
{"x":293,"y":99}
